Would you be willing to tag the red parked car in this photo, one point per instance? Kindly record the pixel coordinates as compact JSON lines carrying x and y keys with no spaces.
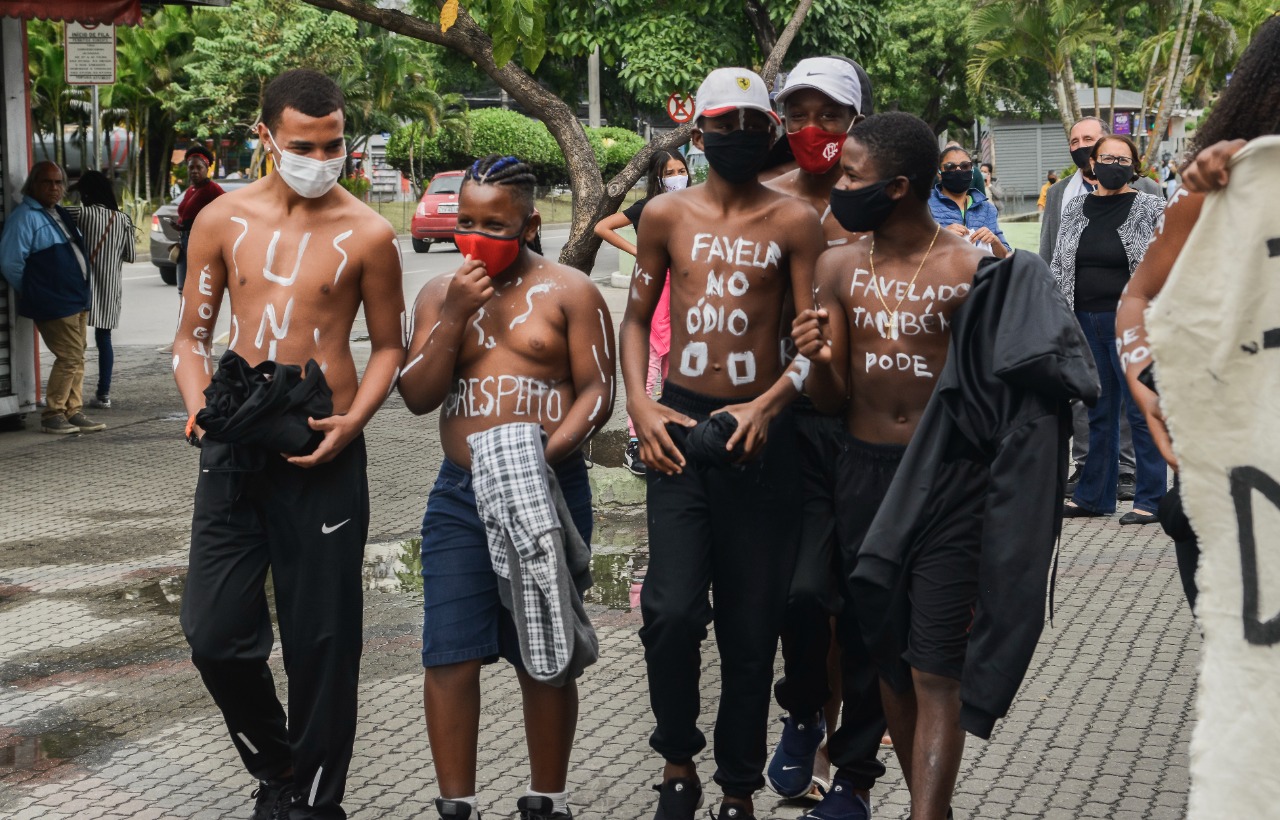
{"x":437,"y":213}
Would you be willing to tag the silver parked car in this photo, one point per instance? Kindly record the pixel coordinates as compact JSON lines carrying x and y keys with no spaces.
{"x":164,"y":235}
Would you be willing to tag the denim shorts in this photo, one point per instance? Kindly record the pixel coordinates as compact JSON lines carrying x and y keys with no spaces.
{"x":464,"y":619}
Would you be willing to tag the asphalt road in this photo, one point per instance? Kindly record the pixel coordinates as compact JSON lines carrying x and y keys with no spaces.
{"x":150,"y":307}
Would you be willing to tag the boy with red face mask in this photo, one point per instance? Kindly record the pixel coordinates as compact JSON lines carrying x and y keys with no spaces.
{"x":822,"y":99}
{"x":510,"y":337}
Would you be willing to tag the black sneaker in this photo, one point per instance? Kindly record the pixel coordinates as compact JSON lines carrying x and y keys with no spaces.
{"x":455,"y":809}
{"x":678,"y":799}
{"x":273,"y":799}
{"x":1125,"y":487}
{"x":1072,"y":481}
{"x":631,"y":458}
{"x":733,"y":813}
{"x":540,"y":807}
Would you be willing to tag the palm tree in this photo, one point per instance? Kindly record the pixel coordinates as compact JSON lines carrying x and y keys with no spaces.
{"x":53,"y":102}
{"x":1047,"y":32}
{"x":391,"y":88}
{"x":1179,"y":59}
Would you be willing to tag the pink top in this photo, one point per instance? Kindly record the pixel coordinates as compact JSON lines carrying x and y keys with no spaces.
{"x":660,"y":327}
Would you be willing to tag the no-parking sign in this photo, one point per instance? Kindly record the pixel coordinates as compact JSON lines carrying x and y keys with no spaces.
{"x":680,"y":108}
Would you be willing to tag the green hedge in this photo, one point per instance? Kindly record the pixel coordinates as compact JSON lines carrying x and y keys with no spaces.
{"x":500,"y":131}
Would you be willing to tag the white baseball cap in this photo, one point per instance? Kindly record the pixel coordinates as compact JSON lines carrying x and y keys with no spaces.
{"x":835,"y":78}
{"x":730,"y":89}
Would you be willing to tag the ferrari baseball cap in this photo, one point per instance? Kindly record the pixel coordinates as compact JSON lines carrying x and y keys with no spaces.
{"x":837,"y":78}
{"x":730,"y":89}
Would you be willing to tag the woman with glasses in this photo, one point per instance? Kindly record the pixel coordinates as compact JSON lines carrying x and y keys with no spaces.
{"x":1102,"y":238}
{"x":962,"y":209}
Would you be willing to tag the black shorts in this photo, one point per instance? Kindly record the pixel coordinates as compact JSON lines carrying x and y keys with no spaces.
{"x":942,"y":581}
{"x":944,"y":575}
{"x":864,"y":471}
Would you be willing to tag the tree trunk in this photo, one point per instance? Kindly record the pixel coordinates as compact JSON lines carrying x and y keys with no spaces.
{"x":1064,"y":105}
{"x":592,"y":199}
{"x":1097,"y":102}
{"x":59,"y":140}
{"x":1179,"y":60}
{"x":1141,"y":129}
{"x":761,"y":25}
{"x":1069,"y":83}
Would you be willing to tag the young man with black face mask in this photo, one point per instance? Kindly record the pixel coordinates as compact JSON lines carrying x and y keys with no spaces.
{"x":877,"y":340}
{"x":822,"y":98}
{"x":297,"y":256}
{"x":509,"y":338}
{"x":720,"y":446}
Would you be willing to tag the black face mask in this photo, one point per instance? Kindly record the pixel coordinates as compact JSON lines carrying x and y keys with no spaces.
{"x":957,"y":182}
{"x":1113,"y":177}
{"x":1080,"y":157}
{"x":864,"y":209}
{"x":738,"y":155}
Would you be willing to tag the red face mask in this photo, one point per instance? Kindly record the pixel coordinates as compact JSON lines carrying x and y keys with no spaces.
{"x":816,"y":150}
{"x":497,"y":252}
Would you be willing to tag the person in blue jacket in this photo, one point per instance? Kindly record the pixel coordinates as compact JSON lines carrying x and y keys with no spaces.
{"x":962,"y":209}
{"x":44,"y":260}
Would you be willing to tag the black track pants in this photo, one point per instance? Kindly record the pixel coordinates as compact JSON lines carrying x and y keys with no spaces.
{"x":308,"y":526}
{"x":804,"y":689}
{"x":730,"y":530}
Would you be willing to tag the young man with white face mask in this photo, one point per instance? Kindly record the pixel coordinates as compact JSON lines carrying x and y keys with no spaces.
{"x":297,"y":256}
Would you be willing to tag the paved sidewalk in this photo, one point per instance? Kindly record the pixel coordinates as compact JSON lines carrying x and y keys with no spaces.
{"x":102,"y":715}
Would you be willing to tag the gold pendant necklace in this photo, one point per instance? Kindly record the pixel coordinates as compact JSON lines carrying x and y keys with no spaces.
{"x":893,"y":314}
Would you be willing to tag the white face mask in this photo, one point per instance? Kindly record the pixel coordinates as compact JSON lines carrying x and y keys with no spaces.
{"x":309,"y":178}
{"x":675,"y":183}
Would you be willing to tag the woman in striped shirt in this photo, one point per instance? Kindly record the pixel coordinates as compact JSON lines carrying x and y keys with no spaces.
{"x":109,"y":237}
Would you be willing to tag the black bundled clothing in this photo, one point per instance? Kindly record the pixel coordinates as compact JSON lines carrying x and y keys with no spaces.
{"x":1000,"y":418}
{"x":251,"y":412}
{"x":707,"y":442}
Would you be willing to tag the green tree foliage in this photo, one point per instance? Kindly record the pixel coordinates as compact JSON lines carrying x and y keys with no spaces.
{"x":1037,"y":32}
{"x":419,"y":153}
{"x":918,"y":66}
{"x":391,"y":84}
{"x":656,"y":47}
{"x":254,"y":41}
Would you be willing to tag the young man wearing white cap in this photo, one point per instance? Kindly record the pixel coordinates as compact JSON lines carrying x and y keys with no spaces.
{"x":723,"y":478}
{"x":822,"y":98}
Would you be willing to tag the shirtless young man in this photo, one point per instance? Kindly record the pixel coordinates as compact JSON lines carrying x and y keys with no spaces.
{"x":298,"y":257}
{"x":509,"y":337}
{"x":723,"y":507}
{"x":823,"y":97}
{"x":877,"y":342}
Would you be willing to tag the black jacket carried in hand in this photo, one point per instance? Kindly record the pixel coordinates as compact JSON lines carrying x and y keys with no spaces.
{"x":1017,"y":357}
{"x":252,"y":411}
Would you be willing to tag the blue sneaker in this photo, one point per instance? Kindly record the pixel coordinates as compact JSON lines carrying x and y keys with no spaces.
{"x":790,"y":772}
{"x":840,"y":803}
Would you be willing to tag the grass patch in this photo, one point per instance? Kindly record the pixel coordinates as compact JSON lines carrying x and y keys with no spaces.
{"x":411,"y":557}
{"x":1023,"y":235}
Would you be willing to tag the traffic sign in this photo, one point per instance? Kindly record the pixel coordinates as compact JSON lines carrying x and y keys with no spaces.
{"x":680,"y":108}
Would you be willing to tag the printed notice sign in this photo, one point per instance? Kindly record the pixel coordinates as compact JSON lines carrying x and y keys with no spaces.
{"x":91,"y":54}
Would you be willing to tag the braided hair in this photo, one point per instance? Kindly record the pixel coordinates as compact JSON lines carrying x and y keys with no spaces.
{"x":496,"y":169}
